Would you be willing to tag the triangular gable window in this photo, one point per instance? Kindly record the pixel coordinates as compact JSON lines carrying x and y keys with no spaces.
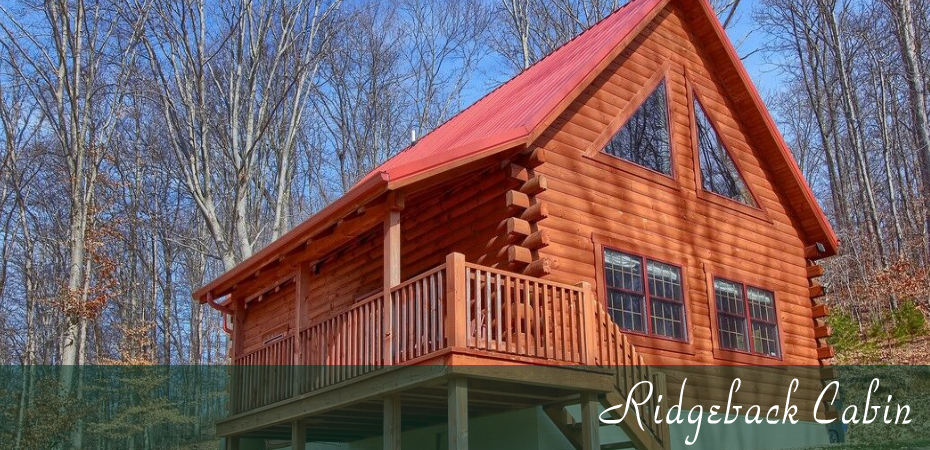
{"x":644,"y":140}
{"x":718,"y":171}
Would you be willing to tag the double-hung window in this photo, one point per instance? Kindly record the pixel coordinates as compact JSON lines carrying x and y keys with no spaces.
{"x":645,"y":296}
{"x":746,"y":319}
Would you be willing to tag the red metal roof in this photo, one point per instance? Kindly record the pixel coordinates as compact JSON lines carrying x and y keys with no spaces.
{"x":518,"y":107}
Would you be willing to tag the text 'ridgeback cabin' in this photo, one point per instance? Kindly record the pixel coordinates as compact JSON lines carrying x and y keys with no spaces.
{"x":625,"y":203}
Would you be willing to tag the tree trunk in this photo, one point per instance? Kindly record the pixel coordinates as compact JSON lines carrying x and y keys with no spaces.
{"x":906,"y":34}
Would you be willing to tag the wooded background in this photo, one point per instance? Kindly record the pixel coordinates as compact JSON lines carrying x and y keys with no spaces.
{"x":150,"y":145}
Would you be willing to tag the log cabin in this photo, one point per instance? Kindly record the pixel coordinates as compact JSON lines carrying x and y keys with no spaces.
{"x":625,"y":204}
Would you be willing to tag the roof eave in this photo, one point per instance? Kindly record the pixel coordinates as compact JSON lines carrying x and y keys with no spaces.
{"x":358,"y":195}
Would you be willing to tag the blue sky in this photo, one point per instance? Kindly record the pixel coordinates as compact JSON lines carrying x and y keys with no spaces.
{"x":748,"y":39}
{"x":744,"y":33}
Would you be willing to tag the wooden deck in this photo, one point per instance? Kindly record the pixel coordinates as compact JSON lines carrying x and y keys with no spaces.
{"x":430,"y":330}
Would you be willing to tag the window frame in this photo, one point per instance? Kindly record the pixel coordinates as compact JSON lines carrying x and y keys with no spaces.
{"x":757,"y":211}
{"x":595,"y":150}
{"x":746,"y":281}
{"x":602,"y":243}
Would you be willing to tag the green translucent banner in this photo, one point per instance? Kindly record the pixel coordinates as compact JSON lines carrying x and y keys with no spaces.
{"x":531,"y":407}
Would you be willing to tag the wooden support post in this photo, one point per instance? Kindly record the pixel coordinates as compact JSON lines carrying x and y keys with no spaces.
{"x":590,"y":426}
{"x":298,"y":435}
{"x":232,"y":442}
{"x":237,"y":389}
{"x":391,"y":270}
{"x":392,"y":430}
{"x":589,"y":324}
{"x":238,"y":324}
{"x":456,"y":325}
{"x":458,"y":414}
{"x":301,"y":301}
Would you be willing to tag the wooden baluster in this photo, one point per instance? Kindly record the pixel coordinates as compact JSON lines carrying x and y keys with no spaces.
{"x":523,"y":344}
{"x":469,"y":299}
{"x":434,"y":303}
{"x":488,"y":310}
{"x":537,"y":340}
{"x":498,"y":313}
{"x":440,"y":312}
{"x":508,"y":316}
{"x":418,"y":311}
{"x":558,"y":298}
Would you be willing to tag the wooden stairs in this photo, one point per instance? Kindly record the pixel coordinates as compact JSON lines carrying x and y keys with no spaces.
{"x":618,"y":354}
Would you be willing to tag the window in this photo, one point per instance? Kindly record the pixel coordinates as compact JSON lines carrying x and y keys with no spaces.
{"x":644,"y":139}
{"x":738,"y":304}
{"x":718,"y":171}
{"x":654,"y":307}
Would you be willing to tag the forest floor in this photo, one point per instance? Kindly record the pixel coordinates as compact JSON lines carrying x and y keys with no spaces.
{"x":890,"y":352}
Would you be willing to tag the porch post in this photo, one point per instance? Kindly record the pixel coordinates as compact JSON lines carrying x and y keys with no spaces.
{"x":458,"y":414}
{"x":590,"y":439}
{"x":589,"y":324}
{"x":298,"y":435}
{"x":456,"y":321}
{"x":391,"y":269}
{"x":232,"y":442}
{"x":301,"y":300}
{"x":392,"y":430}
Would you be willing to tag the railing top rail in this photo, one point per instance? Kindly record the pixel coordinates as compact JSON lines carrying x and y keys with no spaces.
{"x":523,"y":277}
{"x":419,"y":277}
{"x":345,"y":309}
{"x":265,"y":347}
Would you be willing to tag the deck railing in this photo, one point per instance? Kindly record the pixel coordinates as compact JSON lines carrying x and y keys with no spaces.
{"x":459,"y":306}
{"x":524,"y":316}
{"x":263,"y":377}
{"x":342,"y":346}
{"x":418,"y":316}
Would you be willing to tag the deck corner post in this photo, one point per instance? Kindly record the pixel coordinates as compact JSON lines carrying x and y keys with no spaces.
{"x":456,"y":322}
{"x":589,"y":323}
{"x":392,"y":274}
{"x":232,"y":442}
{"x":392,"y":431}
{"x":298,"y":435}
{"x":590,"y":434}
{"x":458,"y":414}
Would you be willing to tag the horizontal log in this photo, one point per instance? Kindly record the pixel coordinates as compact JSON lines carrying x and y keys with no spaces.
{"x":516,"y":229}
{"x":519,"y":255}
{"x":823,"y":332}
{"x":539,"y":268}
{"x":825,"y":352}
{"x":817,"y":291}
{"x":821,"y":310}
{"x":535,"y":185}
{"x":815,"y":271}
{"x":534,"y":158}
{"x":536,"y":212}
{"x":537,"y":240}
{"x":517,"y":201}
{"x":815,"y":251}
{"x":517,"y":172}
{"x":829,"y":373}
